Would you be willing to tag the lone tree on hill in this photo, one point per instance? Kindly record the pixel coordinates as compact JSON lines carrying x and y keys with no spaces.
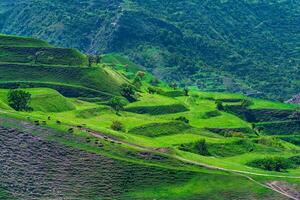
{"x":19,"y":100}
{"x":186,"y":91}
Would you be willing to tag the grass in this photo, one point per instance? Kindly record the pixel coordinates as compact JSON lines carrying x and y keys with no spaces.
{"x":202,"y":187}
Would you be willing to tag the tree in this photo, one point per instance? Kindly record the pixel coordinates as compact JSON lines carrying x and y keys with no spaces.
{"x":151,"y":90}
{"x":140,"y":74}
{"x":98,"y":59}
{"x":173,"y":85}
{"x":220,"y":105}
{"x":186,"y":91}
{"x":137,"y":82}
{"x":202,"y":147}
{"x":90,"y":60}
{"x":154,"y":82}
{"x":126,"y":67}
{"x":128,"y":91}
{"x":117,"y":104}
{"x":19,"y":100}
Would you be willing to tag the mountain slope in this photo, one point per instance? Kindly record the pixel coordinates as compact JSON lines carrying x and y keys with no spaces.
{"x":241,"y":46}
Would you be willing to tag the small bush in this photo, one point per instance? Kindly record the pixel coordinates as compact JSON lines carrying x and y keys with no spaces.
{"x":220,"y":105}
{"x":211,"y":114}
{"x":234,"y":134}
{"x":202,"y":147}
{"x":117,"y":126}
{"x":183,"y":119}
{"x":270,"y":141}
{"x":117,"y":104}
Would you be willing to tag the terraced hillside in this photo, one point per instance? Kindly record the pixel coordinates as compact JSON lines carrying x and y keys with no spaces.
{"x":161,"y":143}
{"x":29,"y":62}
{"x":238,"y":46}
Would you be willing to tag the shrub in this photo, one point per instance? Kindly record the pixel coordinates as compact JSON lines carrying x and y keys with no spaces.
{"x":210,"y":114}
{"x":154,"y":82}
{"x":220,"y":105}
{"x":183,"y":119}
{"x":202,"y":147}
{"x":246,"y":103}
{"x":234,"y":134}
{"x":270,"y":141}
{"x":117,"y":104}
{"x":186,"y":91}
{"x":272,"y":164}
{"x":117,"y":126}
{"x":152,"y":90}
{"x":19,"y":100}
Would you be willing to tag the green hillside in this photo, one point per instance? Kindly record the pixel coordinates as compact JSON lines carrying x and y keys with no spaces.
{"x":33,"y":63}
{"x":90,"y":137}
{"x":246,"y":46}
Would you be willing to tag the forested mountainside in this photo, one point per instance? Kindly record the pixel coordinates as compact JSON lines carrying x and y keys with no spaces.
{"x":249,"y":46}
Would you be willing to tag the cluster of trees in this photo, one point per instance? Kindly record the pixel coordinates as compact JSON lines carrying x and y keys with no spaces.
{"x":94,"y":59}
{"x":272,"y":164}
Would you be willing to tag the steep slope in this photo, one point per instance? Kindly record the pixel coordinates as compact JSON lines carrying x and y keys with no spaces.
{"x":245,"y":46}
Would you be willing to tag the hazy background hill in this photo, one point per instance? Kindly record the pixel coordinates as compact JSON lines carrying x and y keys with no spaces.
{"x":219,"y":45}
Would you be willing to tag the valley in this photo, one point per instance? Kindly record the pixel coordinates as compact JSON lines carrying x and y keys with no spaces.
{"x":103,"y":128}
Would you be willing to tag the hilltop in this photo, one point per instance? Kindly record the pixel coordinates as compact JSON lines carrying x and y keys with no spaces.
{"x":244,"y":46}
{"x":162,"y":143}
